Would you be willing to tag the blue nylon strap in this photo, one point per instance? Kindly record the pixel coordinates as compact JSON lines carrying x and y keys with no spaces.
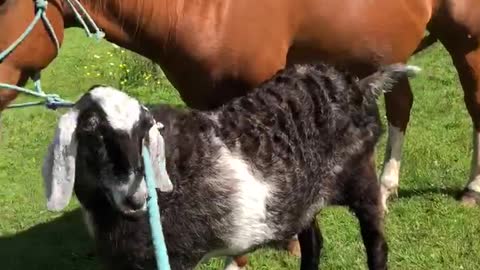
{"x":51,"y":101}
{"x":159,"y":245}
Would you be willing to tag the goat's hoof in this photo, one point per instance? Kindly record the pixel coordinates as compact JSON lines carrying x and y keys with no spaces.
{"x":294,"y":248}
{"x":470,"y":198}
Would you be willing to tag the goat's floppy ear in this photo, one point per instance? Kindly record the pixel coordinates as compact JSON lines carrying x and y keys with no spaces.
{"x":156,"y":147}
{"x":59,"y":165}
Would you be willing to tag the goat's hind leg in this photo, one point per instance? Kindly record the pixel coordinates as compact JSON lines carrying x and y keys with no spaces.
{"x":364,"y":201}
{"x":311,"y":243}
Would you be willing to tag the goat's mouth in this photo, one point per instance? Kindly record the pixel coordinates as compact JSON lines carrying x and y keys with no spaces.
{"x":127,"y":209}
{"x":131,"y":212}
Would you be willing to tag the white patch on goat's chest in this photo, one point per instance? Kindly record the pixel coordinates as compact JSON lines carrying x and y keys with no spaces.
{"x":122,"y":111}
{"x":249,"y":201}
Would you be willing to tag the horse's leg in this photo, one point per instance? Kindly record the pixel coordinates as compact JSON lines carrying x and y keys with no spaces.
{"x":311,"y":243}
{"x":466,"y":58}
{"x":398,"y":104}
{"x":9,"y":75}
{"x":236,"y":263}
{"x":294,"y":247}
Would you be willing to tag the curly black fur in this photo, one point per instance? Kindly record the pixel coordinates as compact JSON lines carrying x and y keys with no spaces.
{"x":308,"y":134}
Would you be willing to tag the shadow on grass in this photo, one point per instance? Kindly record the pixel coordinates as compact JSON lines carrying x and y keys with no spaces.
{"x":453,"y":192}
{"x":59,"y":244}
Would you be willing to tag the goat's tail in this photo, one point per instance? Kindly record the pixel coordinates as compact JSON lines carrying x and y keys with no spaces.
{"x":385,"y":78}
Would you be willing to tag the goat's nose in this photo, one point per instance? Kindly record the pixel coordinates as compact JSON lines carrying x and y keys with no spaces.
{"x":135,"y":202}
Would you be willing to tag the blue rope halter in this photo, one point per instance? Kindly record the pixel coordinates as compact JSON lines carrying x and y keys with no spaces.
{"x":51,"y":101}
{"x":161,"y":254}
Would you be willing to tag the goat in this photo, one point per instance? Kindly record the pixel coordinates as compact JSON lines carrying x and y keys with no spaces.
{"x":254,"y":172}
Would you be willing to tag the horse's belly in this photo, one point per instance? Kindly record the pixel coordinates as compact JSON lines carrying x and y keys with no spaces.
{"x":344,"y":32}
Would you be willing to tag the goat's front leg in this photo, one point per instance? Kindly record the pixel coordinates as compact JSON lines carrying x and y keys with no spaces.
{"x":311,"y":243}
{"x":365,"y":201}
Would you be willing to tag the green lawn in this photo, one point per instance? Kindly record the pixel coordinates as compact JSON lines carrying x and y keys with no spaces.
{"x":426,"y":227}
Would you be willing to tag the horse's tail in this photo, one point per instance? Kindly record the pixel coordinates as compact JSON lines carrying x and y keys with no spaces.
{"x":383,"y":80}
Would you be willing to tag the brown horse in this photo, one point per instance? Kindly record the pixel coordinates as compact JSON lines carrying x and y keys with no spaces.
{"x":214,"y":50}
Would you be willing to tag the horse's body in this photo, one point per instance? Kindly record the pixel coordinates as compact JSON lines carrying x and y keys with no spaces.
{"x":213,"y":50}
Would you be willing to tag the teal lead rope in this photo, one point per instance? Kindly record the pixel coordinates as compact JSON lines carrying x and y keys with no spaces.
{"x":159,"y":246}
{"x":51,"y":101}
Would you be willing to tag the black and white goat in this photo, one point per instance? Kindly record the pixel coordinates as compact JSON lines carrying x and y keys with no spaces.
{"x":255,"y":171}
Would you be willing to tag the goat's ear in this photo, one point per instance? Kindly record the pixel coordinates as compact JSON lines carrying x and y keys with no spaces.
{"x":156,"y":147}
{"x":59,"y":165}
{"x":384,"y":79}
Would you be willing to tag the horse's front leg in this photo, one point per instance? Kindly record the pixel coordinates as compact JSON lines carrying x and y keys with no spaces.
{"x":466,"y":58}
{"x":398,"y":104}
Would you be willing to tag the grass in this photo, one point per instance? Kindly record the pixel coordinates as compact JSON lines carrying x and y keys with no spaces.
{"x":426,"y":227}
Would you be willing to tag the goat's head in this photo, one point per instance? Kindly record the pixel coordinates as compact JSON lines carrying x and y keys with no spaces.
{"x":102,"y":136}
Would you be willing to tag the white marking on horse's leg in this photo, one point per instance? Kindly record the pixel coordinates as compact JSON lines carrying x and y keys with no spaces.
{"x":231,"y":264}
{"x":391,"y":166}
{"x":474,"y":183}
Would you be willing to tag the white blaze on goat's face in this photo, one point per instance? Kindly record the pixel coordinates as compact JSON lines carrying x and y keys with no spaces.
{"x":132,"y":127}
{"x":108,"y":131}
{"x":126,"y":194}
{"x":115,"y":128}
{"x":122,"y":111}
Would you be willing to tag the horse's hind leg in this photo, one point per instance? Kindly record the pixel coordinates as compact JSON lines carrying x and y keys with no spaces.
{"x":465,"y":54}
{"x":363,"y":198}
{"x":398,"y":104}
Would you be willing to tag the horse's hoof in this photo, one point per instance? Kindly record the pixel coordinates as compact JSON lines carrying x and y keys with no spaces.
{"x":294,"y":248}
{"x":385,"y":194}
{"x":237,"y":263}
{"x":470,"y":198}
